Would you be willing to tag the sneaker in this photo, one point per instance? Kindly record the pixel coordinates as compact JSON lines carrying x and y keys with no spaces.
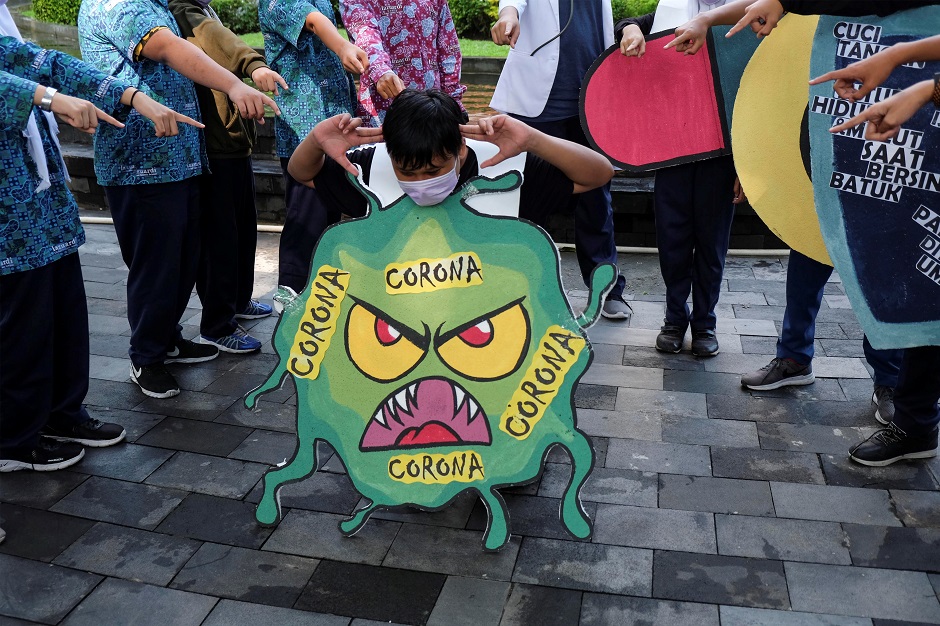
{"x":704,"y":343}
{"x":883,"y":401}
{"x":187,"y":351}
{"x":155,"y":381}
{"x":239,"y":342}
{"x":892,"y":444}
{"x":47,"y":456}
{"x":283,"y":297}
{"x":255,"y":310}
{"x":616,"y":308}
{"x":670,"y":338}
{"x":92,"y":433}
{"x":779,"y":373}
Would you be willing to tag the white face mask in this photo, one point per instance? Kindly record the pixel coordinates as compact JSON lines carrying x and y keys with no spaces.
{"x":431,"y":190}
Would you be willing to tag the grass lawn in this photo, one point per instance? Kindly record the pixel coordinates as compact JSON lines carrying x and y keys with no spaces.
{"x":468,"y":47}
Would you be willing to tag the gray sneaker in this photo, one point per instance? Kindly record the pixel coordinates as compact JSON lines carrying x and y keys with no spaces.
{"x":616,"y":308}
{"x":779,"y":373}
{"x":883,"y":401}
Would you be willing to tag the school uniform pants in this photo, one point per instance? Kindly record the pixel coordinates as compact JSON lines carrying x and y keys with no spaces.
{"x":693,"y":210}
{"x":43,"y":351}
{"x":918,"y":391}
{"x":157,"y":227}
{"x":229,"y":236}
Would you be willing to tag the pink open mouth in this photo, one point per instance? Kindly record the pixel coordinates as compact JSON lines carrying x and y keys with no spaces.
{"x":427,"y":413}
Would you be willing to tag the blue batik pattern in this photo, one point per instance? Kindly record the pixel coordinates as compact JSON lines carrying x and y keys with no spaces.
{"x":319,"y":86}
{"x":111,"y":33}
{"x":37,"y":228}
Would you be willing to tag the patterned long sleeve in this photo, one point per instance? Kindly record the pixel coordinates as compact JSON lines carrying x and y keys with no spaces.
{"x":16,"y":101}
{"x":364,"y":23}
{"x":61,"y":71}
{"x":448,"y":50}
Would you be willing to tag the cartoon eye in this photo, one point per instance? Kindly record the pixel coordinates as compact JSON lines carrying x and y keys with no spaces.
{"x":489,"y":347}
{"x":380,"y":347}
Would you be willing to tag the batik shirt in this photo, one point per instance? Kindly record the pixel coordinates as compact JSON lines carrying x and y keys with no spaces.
{"x":319,"y":86}
{"x":39,"y":228}
{"x":112,"y":34}
{"x":415,"y":39}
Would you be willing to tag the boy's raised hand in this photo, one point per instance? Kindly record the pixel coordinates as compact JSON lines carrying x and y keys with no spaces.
{"x":337,"y":134}
{"x":509,"y":135}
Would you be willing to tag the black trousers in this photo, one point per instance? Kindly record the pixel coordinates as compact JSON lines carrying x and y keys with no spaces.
{"x":692,"y":204}
{"x":229,"y":236}
{"x":157,"y":227}
{"x":306,"y":219}
{"x":918,"y":391}
{"x":43,"y":351}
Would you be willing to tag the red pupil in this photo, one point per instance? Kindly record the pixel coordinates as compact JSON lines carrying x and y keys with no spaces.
{"x":386,"y":334}
{"x":478,"y":335}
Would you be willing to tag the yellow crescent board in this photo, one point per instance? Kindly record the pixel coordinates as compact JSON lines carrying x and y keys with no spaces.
{"x":765,"y":136}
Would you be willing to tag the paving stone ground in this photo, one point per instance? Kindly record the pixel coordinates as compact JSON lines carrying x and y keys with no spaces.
{"x":711,"y":504}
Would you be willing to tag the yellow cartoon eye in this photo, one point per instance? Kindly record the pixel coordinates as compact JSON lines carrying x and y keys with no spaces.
{"x":489,"y":347}
{"x":380,"y":347}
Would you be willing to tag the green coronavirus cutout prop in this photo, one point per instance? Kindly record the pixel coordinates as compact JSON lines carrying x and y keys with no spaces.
{"x":435,"y":351}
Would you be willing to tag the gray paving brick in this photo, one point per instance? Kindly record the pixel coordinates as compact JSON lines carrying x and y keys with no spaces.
{"x":450,"y":551}
{"x":135,"y":424}
{"x":755,"y":464}
{"x":120,"y":502}
{"x":528,"y":604}
{"x":37,"y":534}
{"x":584,"y":566}
{"x":267,"y":415}
{"x":192,"y":405}
{"x":329,"y":493}
{"x":113,"y":395}
{"x":917,"y":508}
{"x":701,"y":382}
{"x":608,"y":353}
{"x":129,"y":553}
{"x":621,"y":424}
{"x":642,"y":356}
{"x":127,"y":461}
{"x":215,"y":519}
{"x":531,"y":516}
{"x":369,"y":545}
{"x":139,"y":604}
{"x":602,"y":397}
{"x":38,"y":592}
{"x":665,"y":529}
{"x":454,"y":515}
{"x":605,"y":484}
{"x":715,"y":495}
{"x":246,"y":575}
{"x":469,"y":601}
{"x":38,"y":489}
{"x":624,"y":376}
{"x":211,"y":475}
{"x":863,"y":592}
{"x":229,"y":612}
{"x":720,"y":580}
{"x":842,"y":471}
{"x":811,"y":437}
{"x":266,"y":447}
{"x":651,"y":456}
{"x":894,"y":548}
{"x":195,"y":436}
{"x":601,"y":610}
{"x":833,"y":504}
{"x":782,"y":539}
{"x":657,"y":404}
{"x":742,"y":616}
{"x":710,"y":432}
{"x":839,"y":413}
{"x":824,"y":389}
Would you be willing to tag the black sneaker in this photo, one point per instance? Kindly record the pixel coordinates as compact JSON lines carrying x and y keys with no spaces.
{"x":187,"y":351}
{"x":47,"y":456}
{"x":670,"y":338}
{"x":92,"y":433}
{"x":704,"y":343}
{"x":155,"y":381}
{"x":883,"y":401}
{"x":892,"y":444}
{"x":779,"y":373}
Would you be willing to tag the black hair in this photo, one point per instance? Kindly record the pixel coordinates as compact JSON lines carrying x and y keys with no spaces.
{"x":422,"y":124}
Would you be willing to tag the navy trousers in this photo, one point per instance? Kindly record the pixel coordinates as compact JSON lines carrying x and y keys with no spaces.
{"x":157,"y":227}
{"x":43,"y":351}
{"x":692,"y":204}
{"x":229,"y":236}
{"x":806,"y":281}
{"x":593,"y":214}
{"x":306,"y":219}
{"x":918,"y":391}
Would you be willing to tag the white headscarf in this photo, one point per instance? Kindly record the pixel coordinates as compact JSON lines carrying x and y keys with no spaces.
{"x":33,"y":138}
{"x":673,"y":13}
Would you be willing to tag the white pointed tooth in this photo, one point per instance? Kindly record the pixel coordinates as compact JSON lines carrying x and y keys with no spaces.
{"x":402,"y":399}
{"x":473,"y":409}
{"x":380,"y":418}
{"x":458,"y":398}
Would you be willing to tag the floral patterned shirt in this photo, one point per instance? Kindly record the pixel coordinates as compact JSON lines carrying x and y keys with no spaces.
{"x":319,"y":86}
{"x":415,"y":39}
{"x":37,"y":228}
{"x":112,"y":35}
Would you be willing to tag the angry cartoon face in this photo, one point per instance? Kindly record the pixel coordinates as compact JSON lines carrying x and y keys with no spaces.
{"x":435,"y":351}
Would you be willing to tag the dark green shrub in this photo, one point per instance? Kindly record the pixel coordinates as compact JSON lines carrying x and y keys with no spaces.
{"x":240,"y":16}
{"x":57,"y":11}
{"x":632,"y":8}
{"x":474,"y":18}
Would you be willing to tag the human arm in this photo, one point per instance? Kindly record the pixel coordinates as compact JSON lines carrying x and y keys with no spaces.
{"x":448,"y":56}
{"x":505,"y":32}
{"x":360,"y":19}
{"x":885,"y":118}
{"x":332,"y":137}
{"x":354,"y":58}
{"x":871,"y":72}
{"x":18,"y":96}
{"x":585,"y":168}
{"x":631,"y":34}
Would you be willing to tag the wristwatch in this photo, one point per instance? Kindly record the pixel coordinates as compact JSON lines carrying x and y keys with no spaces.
{"x":46,"y":103}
